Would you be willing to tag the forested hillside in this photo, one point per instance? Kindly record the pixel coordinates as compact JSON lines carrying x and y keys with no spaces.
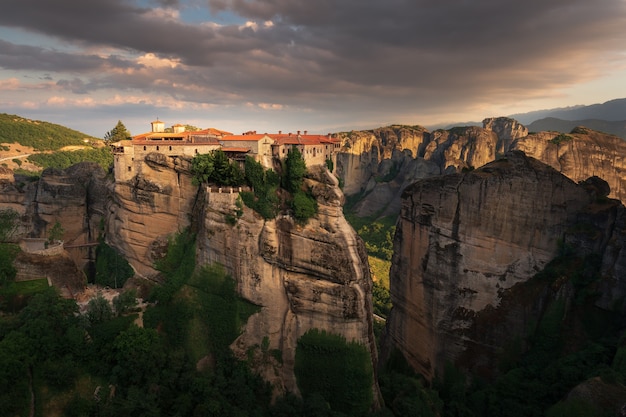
{"x":37,"y":134}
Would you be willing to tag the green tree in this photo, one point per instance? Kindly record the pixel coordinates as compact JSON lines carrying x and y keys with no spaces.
{"x":125,"y":302}
{"x":8,"y":223}
{"x":139,"y":355}
{"x":202,"y":168}
{"x":7,"y":255}
{"x":304,"y":206}
{"x":99,"y":310}
{"x":338,"y":370}
{"x":119,"y":132}
{"x":56,"y":232}
{"x":225,"y":171}
{"x":295,"y":168}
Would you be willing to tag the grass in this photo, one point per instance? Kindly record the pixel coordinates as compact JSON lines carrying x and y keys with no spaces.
{"x":31,"y":287}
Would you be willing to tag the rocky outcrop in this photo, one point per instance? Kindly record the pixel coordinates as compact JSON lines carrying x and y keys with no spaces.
{"x":302,"y":276}
{"x":506,"y":129}
{"x":60,"y":271}
{"x":467,"y":244}
{"x":581,"y":154}
{"x":380,"y":164}
{"x":377,"y":165}
{"x":155,"y":204}
{"x":74,"y":197}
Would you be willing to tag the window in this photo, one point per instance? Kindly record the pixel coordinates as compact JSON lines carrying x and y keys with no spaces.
{"x":170,"y":148}
{"x":157,"y":147}
{"x":144,"y":147}
{"x":129,"y":169}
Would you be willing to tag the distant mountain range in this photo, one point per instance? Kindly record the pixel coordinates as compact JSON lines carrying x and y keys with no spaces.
{"x":613,"y":110}
{"x":608,"y":117}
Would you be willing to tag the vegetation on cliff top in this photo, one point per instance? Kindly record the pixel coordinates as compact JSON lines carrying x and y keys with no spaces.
{"x":266,"y":197}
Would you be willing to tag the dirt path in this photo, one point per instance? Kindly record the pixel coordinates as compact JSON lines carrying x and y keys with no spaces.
{"x":26,"y":155}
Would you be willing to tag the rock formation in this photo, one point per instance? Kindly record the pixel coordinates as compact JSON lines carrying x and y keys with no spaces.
{"x":155,"y":204}
{"x":302,"y":276}
{"x":377,"y":165}
{"x":74,"y":197}
{"x":506,"y":129}
{"x":581,"y":154}
{"x":465,"y":245}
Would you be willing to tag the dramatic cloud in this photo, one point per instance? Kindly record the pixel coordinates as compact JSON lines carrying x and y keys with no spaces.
{"x":371,"y":60}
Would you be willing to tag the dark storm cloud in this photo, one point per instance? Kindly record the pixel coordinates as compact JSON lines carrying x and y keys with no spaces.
{"x":24,"y":57}
{"x":409,"y":52}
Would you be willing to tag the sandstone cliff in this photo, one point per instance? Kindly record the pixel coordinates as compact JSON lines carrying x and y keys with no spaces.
{"x":143,"y":212}
{"x":581,"y":154}
{"x":302,"y":276}
{"x":375,"y":166}
{"x":466,"y":245}
{"x":75,"y":197}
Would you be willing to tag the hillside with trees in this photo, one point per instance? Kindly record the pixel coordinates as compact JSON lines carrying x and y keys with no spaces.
{"x":41,"y":136}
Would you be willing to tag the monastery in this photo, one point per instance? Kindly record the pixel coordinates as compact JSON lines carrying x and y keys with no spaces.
{"x":264,"y":148}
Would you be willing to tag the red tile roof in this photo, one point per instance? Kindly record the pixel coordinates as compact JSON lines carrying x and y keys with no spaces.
{"x":250,"y":138}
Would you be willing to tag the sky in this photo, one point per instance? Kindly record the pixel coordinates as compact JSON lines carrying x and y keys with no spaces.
{"x":316,"y":65}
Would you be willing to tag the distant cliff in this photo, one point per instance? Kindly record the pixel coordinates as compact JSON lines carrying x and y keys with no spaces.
{"x":377,"y":165}
{"x":75,"y":197}
{"x":467,"y":247}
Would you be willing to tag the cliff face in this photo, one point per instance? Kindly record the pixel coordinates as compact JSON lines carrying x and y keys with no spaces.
{"x":303,"y":276}
{"x":379,"y":164}
{"x":156,"y":203}
{"x":581,"y":154}
{"x":74,"y":197}
{"x":466,"y":244}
